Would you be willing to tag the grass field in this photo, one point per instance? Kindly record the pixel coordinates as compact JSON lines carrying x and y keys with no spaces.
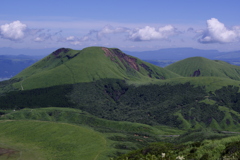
{"x":64,"y":133}
{"x":49,"y":140}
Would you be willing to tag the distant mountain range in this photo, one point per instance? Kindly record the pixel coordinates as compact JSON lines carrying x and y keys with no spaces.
{"x":161,"y":54}
{"x":182,"y":53}
{"x":26,"y":51}
{"x":13,"y":64}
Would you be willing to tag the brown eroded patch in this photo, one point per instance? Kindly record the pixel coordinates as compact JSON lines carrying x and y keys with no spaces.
{"x":107,"y":52}
{"x":125,"y":59}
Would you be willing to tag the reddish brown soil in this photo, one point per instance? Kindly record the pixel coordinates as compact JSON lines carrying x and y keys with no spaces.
{"x":125,"y":59}
{"x":107,"y":52}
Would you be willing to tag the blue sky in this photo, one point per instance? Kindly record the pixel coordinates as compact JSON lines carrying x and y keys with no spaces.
{"x":129,"y":25}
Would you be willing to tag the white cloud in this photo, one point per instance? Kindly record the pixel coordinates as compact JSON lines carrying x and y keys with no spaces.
{"x":98,"y":35}
{"x":144,"y":34}
{"x":13,"y":31}
{"x":150,"y":33}
{"x":217,"y":33}
{"x":17,"y":31}
{"x":70,"y":38}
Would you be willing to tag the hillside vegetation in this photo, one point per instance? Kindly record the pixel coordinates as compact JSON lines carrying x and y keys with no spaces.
{"x":226,"y":149}
{"x":182,"y":105}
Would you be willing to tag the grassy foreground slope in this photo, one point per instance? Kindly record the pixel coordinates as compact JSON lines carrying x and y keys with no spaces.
{"x":78,"y":117}
{"x":66,"y":66}
{"x":119,"y":137}
{"x":48,"y":140}
{"x":199,"y":66}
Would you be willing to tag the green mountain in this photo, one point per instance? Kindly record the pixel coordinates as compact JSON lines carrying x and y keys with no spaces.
{"x":202,"y":67}
{"x":67,"y":66}
{"x":99,"y":81}
{"x":129,"y":101}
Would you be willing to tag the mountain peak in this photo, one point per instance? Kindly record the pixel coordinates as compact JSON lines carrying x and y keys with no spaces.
{"x":67,"y":66}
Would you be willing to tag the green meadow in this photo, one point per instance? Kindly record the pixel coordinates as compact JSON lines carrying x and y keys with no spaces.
{"x":49,"y":140}
{"x":65,"y":133}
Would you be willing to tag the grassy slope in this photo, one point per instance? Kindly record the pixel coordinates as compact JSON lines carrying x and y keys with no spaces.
{"x":89,"y":65}
{"x":72,"y":124}
{"x":47,"y":140}
{"x":76,"y":116}
{"x":207,"y":67}
{"x":210,"y":83}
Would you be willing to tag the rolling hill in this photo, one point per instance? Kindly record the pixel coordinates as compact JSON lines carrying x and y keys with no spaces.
{"x":65,"y":133}
{"x":128,"y":100}
{"x":66,"y":66}
{"x":202,"y":67}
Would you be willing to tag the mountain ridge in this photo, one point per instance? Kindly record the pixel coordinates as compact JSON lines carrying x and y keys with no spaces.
{"x":67,"y":66}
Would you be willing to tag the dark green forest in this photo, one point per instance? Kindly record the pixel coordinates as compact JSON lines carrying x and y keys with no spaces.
{"x":116,"y":100}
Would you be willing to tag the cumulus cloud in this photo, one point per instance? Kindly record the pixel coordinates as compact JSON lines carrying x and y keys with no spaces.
{"x":17,"y":31}
{"x":13,"y":31}
{"x":150,"y":33}
{"x":217,"y":32}
{"x":135,"y":34}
